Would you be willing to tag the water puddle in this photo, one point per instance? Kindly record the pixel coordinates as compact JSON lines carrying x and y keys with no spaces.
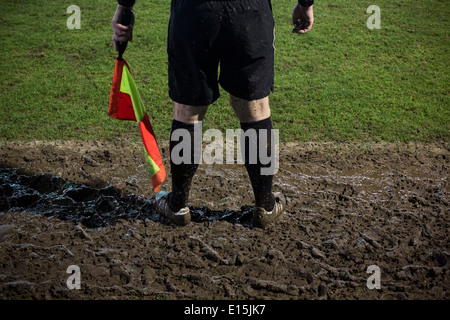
{"x":93,"y":207}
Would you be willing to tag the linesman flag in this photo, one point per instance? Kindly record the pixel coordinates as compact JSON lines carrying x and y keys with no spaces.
{"x":125,"y":104}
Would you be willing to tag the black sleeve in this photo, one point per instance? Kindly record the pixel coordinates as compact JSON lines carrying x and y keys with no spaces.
{"x":126,"y":3}
{"x":306,"y":3}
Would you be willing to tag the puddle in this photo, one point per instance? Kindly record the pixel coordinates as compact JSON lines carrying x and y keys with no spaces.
{"x":93,"y":207}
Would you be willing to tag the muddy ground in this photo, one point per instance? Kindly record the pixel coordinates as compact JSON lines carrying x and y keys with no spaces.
{"x":349,"y":206}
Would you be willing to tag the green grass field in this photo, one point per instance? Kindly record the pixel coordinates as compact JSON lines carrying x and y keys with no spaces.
{"x":340,"y":82}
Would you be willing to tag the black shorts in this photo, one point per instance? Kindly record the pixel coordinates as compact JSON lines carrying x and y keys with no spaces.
{"x":238,"y":35}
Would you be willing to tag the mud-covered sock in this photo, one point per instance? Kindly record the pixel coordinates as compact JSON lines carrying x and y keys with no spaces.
{"x":261,"y":183}
{"x":182,"y":173}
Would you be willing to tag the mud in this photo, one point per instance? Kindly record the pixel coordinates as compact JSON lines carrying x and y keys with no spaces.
{"x":349,"y":206}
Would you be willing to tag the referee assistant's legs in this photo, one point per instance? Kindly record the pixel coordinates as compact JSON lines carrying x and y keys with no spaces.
{"x":253,"y":114}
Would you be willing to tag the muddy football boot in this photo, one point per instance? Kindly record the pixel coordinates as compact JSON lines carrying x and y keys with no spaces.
{"x":263,"y":218}
{"x":180,"y":218}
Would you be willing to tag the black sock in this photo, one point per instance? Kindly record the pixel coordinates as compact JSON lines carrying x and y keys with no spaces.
{"x":182,"y":173}
{"x":261,"y":184}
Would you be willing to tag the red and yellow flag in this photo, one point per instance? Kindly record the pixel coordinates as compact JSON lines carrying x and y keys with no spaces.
{"x":125,"y":104}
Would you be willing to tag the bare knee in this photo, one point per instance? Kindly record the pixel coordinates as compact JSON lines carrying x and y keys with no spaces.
{"x":250,"y":110}
{"x":188,"y":114}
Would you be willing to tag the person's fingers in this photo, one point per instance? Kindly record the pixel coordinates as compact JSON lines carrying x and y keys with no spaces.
{"x":305,"y":28}
{"x":298,"y":25}
{"x":303,"y":31}
{"x":121,"y":38}
{"x":122,"y":27}
{"x":121,"y":30}
{"x":123,"y":33}
{"x":301,"y":28}
{"x":130,"y":32}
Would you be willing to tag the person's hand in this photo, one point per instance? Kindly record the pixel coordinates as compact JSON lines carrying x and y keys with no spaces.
{"x":302,"y":18}
{"x":121,"y":33}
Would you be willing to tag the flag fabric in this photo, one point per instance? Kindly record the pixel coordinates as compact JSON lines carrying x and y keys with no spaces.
{"x":125,"y":104}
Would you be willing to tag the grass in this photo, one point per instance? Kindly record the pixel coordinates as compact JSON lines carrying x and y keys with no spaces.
{"x":340,"y":82}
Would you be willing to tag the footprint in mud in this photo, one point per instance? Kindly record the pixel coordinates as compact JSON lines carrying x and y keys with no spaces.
{"x":94,"y":208}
